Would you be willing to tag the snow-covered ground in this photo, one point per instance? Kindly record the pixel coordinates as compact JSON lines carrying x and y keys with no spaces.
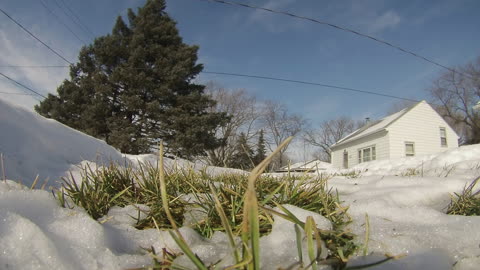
{"x":405,"y":200}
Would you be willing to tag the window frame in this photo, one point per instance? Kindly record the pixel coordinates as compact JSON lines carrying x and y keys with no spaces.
{"x":443,"y":137}
{"x":372,"y":153}
{"x":407,"y":154}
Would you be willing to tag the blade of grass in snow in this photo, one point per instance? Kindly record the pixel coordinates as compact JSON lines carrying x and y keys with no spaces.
{"x":250,"y":226}
{"x":176,"y":235}
{"x":367,"y":235}
{"x":309,"y":225}
{"x":298,"y":234}
{"x":226,"y":224}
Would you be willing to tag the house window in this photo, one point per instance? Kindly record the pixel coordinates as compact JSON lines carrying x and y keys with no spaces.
{"x":409,"y":149}
{"x":367,"y":154}
{"x":443,"y":137}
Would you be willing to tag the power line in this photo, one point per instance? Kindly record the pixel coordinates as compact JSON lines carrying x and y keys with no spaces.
{"x":310,"y":83}
{"x":36,"y":66}
{"x":61,"y":22}
{"x":30,"y":33}
{"x":259,"y":77}
{"x":10,"y":93}
{"x":22,"y":85}
{"x":341,"y":28}
{"x":79,"y":23}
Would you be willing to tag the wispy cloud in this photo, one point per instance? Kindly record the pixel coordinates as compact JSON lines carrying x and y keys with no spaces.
{"x":387,"y":20}
{"x":273,"y":22}
{"x":20,"y":49}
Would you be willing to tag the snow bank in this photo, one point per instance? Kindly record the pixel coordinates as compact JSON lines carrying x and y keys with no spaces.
{"x":33,"y":145}
{"x":36,"y":233}
{"x":407,"y":216}
{"x":182,"y":164}
{"x":461,"y":160}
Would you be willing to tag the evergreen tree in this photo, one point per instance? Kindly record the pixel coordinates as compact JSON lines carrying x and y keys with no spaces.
{"x":134,"y":87}
{"x":261,"y":152}
{"x":242,"y":159}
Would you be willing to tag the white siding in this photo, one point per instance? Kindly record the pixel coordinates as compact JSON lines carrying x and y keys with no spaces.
{"x":380,"y":140}
{"x":420,"y":125}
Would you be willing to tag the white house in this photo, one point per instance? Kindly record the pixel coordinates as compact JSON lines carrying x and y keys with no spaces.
{"x":417,"y":130}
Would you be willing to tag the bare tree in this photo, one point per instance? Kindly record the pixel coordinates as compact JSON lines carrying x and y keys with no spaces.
{"x":280,"y":124}
{"x":399,"y":105}
{"x":244,"y":114}
{"x":328,"y":133}
{"x":456,"y":94}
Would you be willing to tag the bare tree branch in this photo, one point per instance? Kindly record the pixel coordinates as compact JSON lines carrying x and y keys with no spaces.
{"x":457,"y":96}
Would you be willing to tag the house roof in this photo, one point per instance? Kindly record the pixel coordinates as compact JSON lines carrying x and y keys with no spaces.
{"x":374,"y":127}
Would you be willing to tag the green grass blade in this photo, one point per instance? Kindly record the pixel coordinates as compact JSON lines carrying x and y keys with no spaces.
{"x":298,"y":234}
{"x":309,"y":225}
{"x":226,"y":224}
{"x":186,"y":249}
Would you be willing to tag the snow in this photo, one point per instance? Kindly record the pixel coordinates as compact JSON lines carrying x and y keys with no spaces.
{"x":404,"y":199}
{"x":464,"y":160}
{"x":33,"y":145}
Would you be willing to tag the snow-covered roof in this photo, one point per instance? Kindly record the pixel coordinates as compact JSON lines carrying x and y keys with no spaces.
{"x":373,"y":127}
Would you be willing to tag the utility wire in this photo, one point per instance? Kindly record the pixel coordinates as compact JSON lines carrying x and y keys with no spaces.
{"x":310,"y":83}
{"x":36,"y":66}
{"x":259,"y":77}
{"x":341,"y":28}
{"x":10,"y":93}
{"x":39,"y":40}
{"x":79,"y":23}
{"x":22,"y":85}
{"x":61,"y":22}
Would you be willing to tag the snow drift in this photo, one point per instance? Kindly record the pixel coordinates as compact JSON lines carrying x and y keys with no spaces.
{"x":33,"y":145}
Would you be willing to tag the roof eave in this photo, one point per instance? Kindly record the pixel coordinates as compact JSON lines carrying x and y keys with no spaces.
{"x":363,"y":136}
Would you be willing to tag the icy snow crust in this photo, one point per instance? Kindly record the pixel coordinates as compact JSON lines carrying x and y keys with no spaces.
{"x":405,"y":200}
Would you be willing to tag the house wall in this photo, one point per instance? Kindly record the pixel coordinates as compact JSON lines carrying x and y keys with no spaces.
{"x":380,"y":140}
{"x":420,"y":125}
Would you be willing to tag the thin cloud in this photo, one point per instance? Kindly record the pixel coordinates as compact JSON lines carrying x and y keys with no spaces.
{"x":20,"y":49}
{"x":387,"y":20}
{"x":272,"y":22}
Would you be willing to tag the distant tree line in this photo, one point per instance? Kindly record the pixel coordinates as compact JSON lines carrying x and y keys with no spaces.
{"x":255,"y":128}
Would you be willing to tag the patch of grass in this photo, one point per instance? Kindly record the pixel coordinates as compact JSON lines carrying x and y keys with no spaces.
{"x":467,"y":203}
{"x":410,"y":172}
{"x":350,"y":174}
{"x":238,"y":205}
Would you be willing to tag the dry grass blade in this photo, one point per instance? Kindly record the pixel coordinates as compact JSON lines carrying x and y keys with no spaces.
{"x":467,"y":203}
{"x":309,"y":225}
{"x":298,"y":234}
{"x":226,"y":225}
{"x":4,"y":177}
{"x":176,"y":235}
{"x":367,"y":235}
{"x":250,"y":224}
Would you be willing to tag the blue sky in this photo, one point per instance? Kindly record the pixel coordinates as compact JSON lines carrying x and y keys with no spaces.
{"x":240,"y":40}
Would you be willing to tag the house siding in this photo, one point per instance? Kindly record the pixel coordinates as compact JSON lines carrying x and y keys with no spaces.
{"x":421,"y":125}
{"x":380,"y":140}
